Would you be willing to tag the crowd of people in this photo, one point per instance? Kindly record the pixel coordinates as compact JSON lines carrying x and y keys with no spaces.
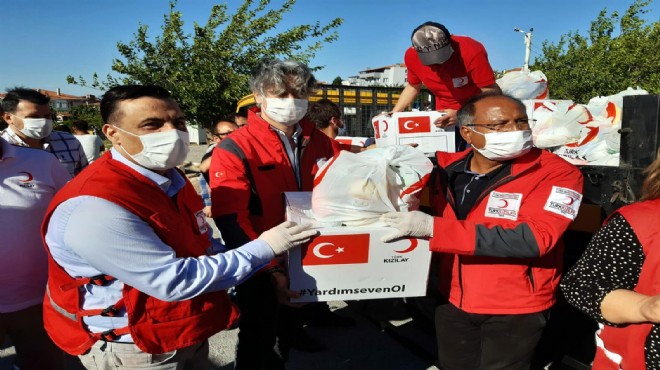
{"x":131,"y":277}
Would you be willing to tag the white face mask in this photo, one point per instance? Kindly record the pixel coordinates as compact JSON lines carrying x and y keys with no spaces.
{"x":287,"y":111}
{"x":36,"y":128}
{"x":161,"y":150}
{"x":502,"y":146}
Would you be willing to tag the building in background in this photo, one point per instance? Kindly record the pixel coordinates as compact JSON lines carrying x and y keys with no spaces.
{"x":389,"y":76}
{"x":62,"y":103}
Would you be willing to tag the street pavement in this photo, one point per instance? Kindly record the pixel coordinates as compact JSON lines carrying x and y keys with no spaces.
{"x":384,"y":338}
{"x":368,"y":345}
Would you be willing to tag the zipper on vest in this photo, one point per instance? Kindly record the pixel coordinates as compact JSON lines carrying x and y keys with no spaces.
{"x":296,"y":154}
{"x":301,"y":149}
{"x":460,"y":280}
{"x":530,"y":276}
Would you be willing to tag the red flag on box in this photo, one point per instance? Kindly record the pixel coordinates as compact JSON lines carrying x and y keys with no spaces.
{"x":410,"y":125}
{"x":336,"y":250}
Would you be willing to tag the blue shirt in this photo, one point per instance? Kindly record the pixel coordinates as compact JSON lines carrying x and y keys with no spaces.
{"x":89,"y":236}
{"x":204,"y":190}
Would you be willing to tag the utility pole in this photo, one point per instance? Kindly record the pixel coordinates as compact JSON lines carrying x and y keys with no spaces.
{"x":528,"y":46}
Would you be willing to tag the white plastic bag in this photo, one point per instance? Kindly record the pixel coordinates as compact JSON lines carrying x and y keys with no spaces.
{"x":524,"y":85}
{"x":355,"y":189}
{"x":558,"y":123}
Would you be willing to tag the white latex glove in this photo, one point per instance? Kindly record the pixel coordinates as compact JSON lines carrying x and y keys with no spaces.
{"x":414,"y":224}
{"x":287,"y":235}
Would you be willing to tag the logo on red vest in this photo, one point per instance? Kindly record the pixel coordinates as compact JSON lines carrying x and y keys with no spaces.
{"x":336,"y":250}
{"x":503,"y":205}
{"x":564,"y":202}
{"x":460,"y":81}
{"x":411,"y":125}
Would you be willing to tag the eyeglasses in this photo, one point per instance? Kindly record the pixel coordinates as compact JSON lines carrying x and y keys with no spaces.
{"x":519,"y":124}
{"x":223,"y":133}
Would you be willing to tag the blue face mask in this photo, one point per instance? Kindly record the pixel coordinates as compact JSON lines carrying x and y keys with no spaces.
{"x":342,"y":131}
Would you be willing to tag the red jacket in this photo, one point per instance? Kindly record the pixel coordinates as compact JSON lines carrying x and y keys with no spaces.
{"x":156,"y":326}
{"x":458,"y":79}
{"x":250,"y":171}
{"x":623,"y":347}
{"x":506,"y":256}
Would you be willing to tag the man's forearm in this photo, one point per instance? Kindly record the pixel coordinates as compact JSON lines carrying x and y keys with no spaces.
{"x":205,"y":165}
{"x":407,"y":96}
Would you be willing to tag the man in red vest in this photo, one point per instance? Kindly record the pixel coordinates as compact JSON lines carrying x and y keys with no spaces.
{"x":278,"y":151}
{"x":500,"y":208}
{"x":134,"y":279}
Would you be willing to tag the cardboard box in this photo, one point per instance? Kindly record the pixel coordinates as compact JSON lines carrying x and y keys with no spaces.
{"x":404,"y":128}
{"x":349,"y":263}
{"x":352,"y":140}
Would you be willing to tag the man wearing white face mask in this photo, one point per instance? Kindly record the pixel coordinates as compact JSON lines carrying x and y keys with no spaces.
{"x":134,"y":277}
{"x":28,"y":115}
{"x":501,"y":208}
{"x":276,"y":151}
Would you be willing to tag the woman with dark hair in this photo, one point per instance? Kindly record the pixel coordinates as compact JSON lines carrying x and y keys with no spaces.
{"x":616,"y":282}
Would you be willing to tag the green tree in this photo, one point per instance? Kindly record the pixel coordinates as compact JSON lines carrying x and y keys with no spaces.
{"x":337,"y":80}
{"x":89,"y":113}
{"x":207,"y":71}
{"x":618,"y":52}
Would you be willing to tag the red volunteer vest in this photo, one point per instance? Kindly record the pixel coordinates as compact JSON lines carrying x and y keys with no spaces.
{"x":628,"y":342}
{"x":156,"y":326}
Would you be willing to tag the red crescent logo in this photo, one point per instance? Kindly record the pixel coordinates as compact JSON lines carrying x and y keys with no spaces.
{"x":29,"y":177}
{"x":570,"y":201}
{"x":611,"y":110}
{"x":504,"y":201}
{"x":386,"y":125}
{"x":413,"y":245}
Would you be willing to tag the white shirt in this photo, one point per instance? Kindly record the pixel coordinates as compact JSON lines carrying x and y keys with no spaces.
{"x":90,"y":236}
{"x":91,"y":145}
{"x":291,"y":146}
{"x":29,"y":178}
{"x":62,"y":144}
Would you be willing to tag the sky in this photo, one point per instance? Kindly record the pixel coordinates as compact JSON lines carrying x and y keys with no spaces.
{"x":44,"y":40}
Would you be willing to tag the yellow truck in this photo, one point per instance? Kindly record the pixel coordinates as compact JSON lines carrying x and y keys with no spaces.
{"x":358,"y":103}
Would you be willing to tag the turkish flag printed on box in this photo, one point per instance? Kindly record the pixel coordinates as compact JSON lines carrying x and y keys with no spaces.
{"x":411,"y":125}
{"x":336,"y":250}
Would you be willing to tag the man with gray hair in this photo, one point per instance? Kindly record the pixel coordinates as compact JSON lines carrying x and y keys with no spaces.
{"x":276,"y":152}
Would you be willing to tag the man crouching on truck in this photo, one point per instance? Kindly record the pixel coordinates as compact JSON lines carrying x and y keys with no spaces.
{"x":501,"y":208}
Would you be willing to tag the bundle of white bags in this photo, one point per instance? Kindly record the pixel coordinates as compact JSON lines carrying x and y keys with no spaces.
{"x":524,"y":84}
{"x":582,"y":134}
{"x":356,"y":188}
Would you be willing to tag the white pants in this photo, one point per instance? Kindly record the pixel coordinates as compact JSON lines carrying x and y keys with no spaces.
{"x":111,"y":355}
